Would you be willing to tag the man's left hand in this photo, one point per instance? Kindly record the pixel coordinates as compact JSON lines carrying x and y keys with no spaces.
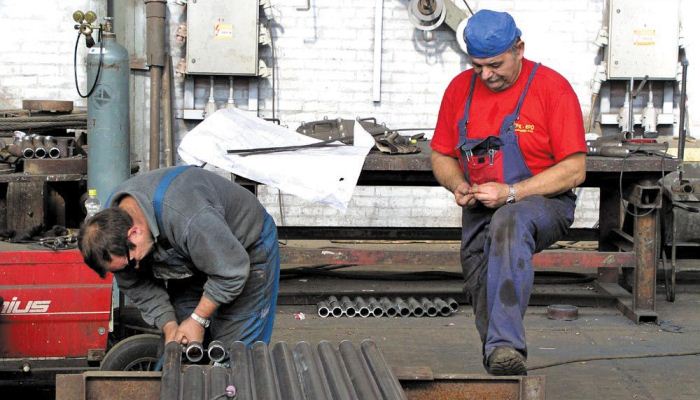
{"x":189,"y":331}
{"x":491,"y":194}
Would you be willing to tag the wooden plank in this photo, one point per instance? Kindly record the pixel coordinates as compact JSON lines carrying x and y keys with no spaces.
{"x":25,"y":205}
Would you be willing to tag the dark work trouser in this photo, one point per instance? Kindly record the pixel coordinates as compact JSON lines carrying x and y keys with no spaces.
{"x":250,"y":317}
{"x":496,"y":256}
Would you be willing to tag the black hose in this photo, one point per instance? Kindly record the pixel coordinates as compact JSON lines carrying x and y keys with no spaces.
{"x":75,"y":65}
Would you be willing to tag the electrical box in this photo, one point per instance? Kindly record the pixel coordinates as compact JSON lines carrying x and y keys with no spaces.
{"x":222,"y":37}
{"x":643,"y":39}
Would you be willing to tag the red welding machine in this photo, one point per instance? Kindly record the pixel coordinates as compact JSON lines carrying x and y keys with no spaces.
{"x":53,"y":306}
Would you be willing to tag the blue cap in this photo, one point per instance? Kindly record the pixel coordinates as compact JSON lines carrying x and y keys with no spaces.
{"x":490,"y":33}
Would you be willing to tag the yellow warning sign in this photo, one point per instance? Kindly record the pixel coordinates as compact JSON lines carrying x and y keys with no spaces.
{"x":645,"y":37}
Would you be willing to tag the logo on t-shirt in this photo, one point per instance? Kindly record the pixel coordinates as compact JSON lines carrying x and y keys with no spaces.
{"x":524,"y":128}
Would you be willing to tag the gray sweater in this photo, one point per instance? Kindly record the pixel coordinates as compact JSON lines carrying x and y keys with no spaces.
{"x":209,"y":224}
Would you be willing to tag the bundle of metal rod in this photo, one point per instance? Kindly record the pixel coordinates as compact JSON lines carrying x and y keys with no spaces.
{"x":384,"y":307}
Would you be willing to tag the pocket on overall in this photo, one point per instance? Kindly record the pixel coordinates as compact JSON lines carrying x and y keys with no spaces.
{"x":482,"y":159}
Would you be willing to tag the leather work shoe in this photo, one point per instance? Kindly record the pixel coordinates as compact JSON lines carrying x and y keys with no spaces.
{"x":506,"y":361}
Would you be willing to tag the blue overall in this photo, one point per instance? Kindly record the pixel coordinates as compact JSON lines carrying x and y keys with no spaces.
{"x":250,"y":317}
{"x":498,"y":244}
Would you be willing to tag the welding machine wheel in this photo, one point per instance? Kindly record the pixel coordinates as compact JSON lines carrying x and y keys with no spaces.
{"x":135,"y":353}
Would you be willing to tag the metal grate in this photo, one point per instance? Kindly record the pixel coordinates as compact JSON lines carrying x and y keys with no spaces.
{"x":301,"y":371}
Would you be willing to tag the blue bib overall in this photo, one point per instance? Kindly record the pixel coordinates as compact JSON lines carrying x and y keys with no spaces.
{"x":498,"y":244}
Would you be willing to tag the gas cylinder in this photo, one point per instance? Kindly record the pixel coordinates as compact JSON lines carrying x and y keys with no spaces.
{"x":108,"y":115}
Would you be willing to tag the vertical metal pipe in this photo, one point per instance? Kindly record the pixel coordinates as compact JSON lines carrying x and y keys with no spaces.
{"x":286,"y":372}
{"x":155,"y":57}
{"x":194,"y":387}
{"x":264,"y":374}
{"x":170,"y":380}
{"x":240,"y":370}
{"x":388,"y":384}
{"x":681,"y":122}
{"x":336,"y":375}
{"x":644,"y":296}
{"x":310,"y":375}
{"x":168,"y":112}
{"x":364,"y":384}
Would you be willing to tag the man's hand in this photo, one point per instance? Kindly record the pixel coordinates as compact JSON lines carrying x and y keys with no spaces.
{"x":189,"y":331}
{"x":464,"y":195}
{"x":169,"y":331}
{"x":491,"y":194}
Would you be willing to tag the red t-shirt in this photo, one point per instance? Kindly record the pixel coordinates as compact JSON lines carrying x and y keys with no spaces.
{"x":550,"y":127}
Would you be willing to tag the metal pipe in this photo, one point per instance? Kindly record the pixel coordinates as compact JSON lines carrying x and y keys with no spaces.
{"x":388,"y":307}
{"x":168,"y":112}
{"x":216,"y":351}
{"x":362,"y":307}
{"x":415,"y":307}
{"x":240,"y":370}
{"x":336,"y":307}
{"x":402,"y":308}
{"x":338,"y":379}
{"x":27,"y":148}
{"x":155,"y":27}
{"x":286,"y":371}
{"x":681,"y":122}
{"x":374,"y":307}
{"x":453,"y":304}
{"x":194,"y":389}
{"x":389,"y":386}
{"x":170,"y":380}
{"x":310,"y":372}
{"x":51,"y":145}
{"x":194,"y":352}
{"x":323,"y":309}
{"x":263,"y":372}
{"x":429,"y":307}
{"x":348,"y":306}
{"x":363,"y":383}
{"x":443,"y":308}
{"x":218,"y":382}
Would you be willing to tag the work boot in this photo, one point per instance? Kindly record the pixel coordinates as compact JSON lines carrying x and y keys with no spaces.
{"x":506,"y":361}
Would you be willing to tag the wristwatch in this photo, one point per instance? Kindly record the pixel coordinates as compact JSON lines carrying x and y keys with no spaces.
{"x":202,"y":321}
{"x":511,"y":195}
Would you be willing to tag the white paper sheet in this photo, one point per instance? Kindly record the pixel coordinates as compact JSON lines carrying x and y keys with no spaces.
{"x":325,"y":175}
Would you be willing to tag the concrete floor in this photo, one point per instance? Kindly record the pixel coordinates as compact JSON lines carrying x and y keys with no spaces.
{"x":451,"y":345}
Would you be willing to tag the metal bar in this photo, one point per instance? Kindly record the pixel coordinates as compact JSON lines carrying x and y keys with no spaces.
{"x":193,"y":387}
{"x":218,"y":382}
{"x":240,"y":371}
{"x":170,"y":383}
{"x":377,"y":64}
{"x":681,"y":122}
{"x":646,"y":247}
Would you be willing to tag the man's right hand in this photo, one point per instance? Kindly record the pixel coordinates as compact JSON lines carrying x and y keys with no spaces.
{"x":464,"y":196}
{"x":170,"y":331}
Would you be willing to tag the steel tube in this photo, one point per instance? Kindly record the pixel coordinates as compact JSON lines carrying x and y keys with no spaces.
{"x":388,"y":384}
{"x":388,"y":307}
{"x":364,"y":385}
{"x":310,"y":373}
{"x":681,"y":122}
{"x":218,"y":382}
{"x":348,"y":306}
{"x":194,"y":390}
{"x":362,"y":307}
{"x":287,"y":372}
{"x":429,"y":307}
{"x":415,"y":307}
{"x":264,"y":374}
{"x":336,"y":308}
{"x":443,"y":308}
{"x":452,"y":303}
{"x":168,"y":112}
{"x":170,"y":381}
{"x":216,"y":351}
{"x":323,"y":309}
{"x":194,"y":352}
{"x":402,"y":308}
{"x":374,"y":307}
{"x":337,"y":376}
{"x":240,"y":370}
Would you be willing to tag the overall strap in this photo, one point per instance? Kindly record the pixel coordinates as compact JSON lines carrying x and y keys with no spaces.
{"x":465,"y":118}
{"x":516,"y":113}
{"x":162,"y":187}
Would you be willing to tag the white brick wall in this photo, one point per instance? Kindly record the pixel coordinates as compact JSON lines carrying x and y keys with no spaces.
{"x":325,"y":59}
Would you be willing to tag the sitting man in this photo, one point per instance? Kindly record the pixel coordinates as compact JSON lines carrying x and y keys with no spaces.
{"x":509,"y":144}
{"x":189,"y":247}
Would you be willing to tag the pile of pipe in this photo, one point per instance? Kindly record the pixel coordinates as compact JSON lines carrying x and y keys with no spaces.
{"x":194,"y":351}
{"x":385,"y":307}
{"x":33,"y":146}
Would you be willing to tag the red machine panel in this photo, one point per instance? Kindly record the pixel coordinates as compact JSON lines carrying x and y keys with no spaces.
{"x":54,"y":305}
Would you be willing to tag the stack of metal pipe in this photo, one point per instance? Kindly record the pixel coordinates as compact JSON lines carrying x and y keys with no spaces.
{"x":386,"y":307}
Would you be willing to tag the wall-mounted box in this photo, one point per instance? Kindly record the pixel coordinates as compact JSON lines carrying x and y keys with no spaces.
{"x":643,"y":39}
{"x":222,"y":37}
